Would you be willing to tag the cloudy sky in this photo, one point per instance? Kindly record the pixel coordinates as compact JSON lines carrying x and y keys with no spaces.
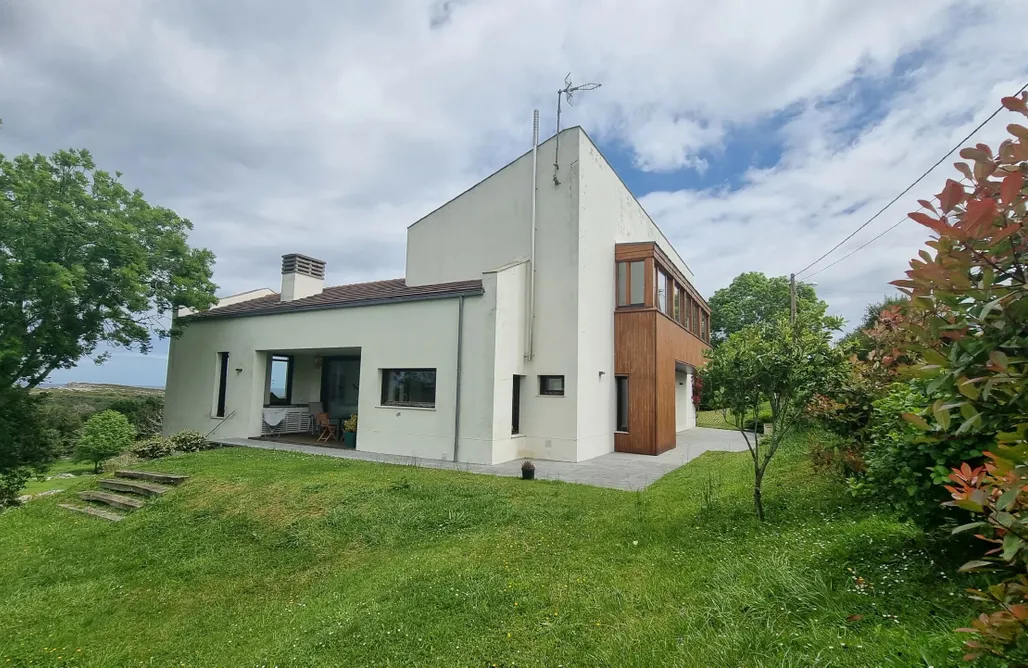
{"x":757,"y":134}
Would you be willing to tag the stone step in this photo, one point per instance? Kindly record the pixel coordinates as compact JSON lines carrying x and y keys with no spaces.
{"x":113,"y":500}
{"x":95,"y":512}
{"x":141,"y":488}
{"x":166,"y":478}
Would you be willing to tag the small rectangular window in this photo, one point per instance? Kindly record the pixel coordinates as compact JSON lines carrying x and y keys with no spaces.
{"x":280,"y":389}
{"x":621,"y":382}
{"x":515,"y":407}
{"x":704,"y":327}
{"x":408,"y":387}
{"x":222,"y":383}
{"x":678,"y":304}
{"x":637,"y":282}
{"x":551,"y":385}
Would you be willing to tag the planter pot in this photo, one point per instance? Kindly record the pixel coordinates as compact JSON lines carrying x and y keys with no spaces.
{"x":528,"y":474}
{"x":349,"y":439}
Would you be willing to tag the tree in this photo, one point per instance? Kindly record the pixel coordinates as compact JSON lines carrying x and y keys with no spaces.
{"x":972,"y":290}
{"x":27,"y":444}
{"x":774,"y":364}
{"x":85,"y":261}
{"x":753,"y":298}
{"x":107,"y":434}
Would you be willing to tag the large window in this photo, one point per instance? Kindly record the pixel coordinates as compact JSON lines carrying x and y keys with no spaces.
{"x":222,"y":384}
{"x":621,"y":382}
{"x":280,"y":391}
{"x":408,"y":387}
{"x":631,"y":283}
{"x":551,"y":385}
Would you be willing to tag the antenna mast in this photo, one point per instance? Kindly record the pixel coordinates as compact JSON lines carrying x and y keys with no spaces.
{"x":568,"y":92}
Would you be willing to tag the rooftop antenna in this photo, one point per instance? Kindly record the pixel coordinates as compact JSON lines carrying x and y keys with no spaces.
{"x":568,"y":91}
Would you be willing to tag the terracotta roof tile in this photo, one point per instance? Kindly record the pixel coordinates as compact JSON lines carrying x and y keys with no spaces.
{"x":344,"y":296}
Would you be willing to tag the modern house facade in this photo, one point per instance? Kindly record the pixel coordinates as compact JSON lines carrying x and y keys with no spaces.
{"x":543,"y":314}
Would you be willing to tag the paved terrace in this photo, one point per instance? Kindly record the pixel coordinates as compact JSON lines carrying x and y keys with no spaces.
{"x":617,"y":470}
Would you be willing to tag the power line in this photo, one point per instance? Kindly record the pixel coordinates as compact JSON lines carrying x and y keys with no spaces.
{"x":895,"y":199}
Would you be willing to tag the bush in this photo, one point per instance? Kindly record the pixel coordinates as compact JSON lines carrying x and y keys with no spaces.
{"x":27,"y":444}
{"x":906,"y":470}
{"x":107,"y":434}
{"x":153,"y":447}
{"x":189,"y":440}
{"x":146,"y":413}
{"x":350,"y":424}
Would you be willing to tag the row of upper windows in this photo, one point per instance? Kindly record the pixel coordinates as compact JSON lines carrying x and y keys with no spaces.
{"x":670,"y":297}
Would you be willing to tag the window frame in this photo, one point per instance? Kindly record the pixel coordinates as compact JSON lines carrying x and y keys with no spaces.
{"x":543,"y":391}
{"x":290,"y":368}
{"x":384,"y":378}
{"x":221,"y":385}
{"x":624,"y":300}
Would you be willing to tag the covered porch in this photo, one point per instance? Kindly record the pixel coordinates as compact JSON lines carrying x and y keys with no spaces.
{"x":301,"y":384}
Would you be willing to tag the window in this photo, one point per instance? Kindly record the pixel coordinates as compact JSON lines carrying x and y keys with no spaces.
{"x":621,"y":382}
{"x":551,"y":385}
{"x":222,"y":383}
{"x":280,"y":390}
{"x":678,"y":304}
{"x":408,"y":387}
{"x":705,"y":327}
{"x":687,"y":308}
{"x":637,"y":282}
{"x":662,"y":291}
{"x":515,"y":407}
{"x":631,"y":283}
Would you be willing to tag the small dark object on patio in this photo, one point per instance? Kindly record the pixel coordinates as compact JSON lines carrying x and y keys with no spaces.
{"x":528,"y":470}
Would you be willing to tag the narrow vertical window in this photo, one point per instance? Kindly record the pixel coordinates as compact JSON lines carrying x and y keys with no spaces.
{"x":622,"y":283}
{"x":662,"y":296}
{"x":621,"y":383}
{"x":222,"y":383}
{"x":637,"y":282}
{"x":280,"y":391}
{"x":515,"y":407}
{"x":678,"y":304}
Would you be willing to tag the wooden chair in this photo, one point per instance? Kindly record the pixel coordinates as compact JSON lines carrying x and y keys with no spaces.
{"x":328,"y":429}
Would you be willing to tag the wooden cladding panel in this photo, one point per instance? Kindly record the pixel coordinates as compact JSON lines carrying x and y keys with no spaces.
{"x":674,"y":345}
{"x":635,"y":356}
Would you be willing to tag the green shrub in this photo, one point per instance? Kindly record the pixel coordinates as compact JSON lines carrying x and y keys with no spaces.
{"x":153,"y":447}
{"x":903,"y":468}
{"x":146,"y":413}
{"x":350,"y":424}
{"x":27,"y":443}
{"x":189,"y":440}
{"x":12,"y":482}
{"x":107,"y":434}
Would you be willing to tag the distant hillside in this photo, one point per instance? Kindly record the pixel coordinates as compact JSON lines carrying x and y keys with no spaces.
{"x":109,"y":387}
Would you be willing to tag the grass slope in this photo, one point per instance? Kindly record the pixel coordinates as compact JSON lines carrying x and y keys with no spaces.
{"x":267,"y":558}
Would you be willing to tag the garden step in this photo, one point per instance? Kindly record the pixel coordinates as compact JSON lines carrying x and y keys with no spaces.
{"x":95,"y":512}
{"x":167,"y":478}
{"x":142,"y":488}
{"x":114,"y":500}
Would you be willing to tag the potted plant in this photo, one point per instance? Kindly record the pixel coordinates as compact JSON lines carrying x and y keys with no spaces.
{"x":528,"y":470}
{"x":350,"y":432}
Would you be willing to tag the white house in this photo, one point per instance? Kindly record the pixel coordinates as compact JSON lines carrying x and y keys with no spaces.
{"x":542,"y":315}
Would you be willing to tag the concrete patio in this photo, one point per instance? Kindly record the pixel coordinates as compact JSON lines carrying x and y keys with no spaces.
{"x":617,"y":470}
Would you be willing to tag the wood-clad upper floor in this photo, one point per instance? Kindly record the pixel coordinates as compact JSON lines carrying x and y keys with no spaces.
{"x":647,"y":280}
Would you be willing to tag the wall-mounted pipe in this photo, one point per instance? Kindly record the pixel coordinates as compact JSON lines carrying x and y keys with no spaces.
{"x":456,"y":394}
{"x":530,"y":307}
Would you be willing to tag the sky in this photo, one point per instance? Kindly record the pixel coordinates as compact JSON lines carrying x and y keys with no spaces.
{"x":757,"y":135}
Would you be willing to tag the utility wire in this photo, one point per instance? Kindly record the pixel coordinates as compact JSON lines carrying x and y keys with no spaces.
{"x":895,"y":199}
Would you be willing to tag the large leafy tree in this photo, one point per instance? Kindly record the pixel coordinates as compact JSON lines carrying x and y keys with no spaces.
{"x":774,"y":364}
{"x":754,"y":298}
{"x":85,"y":261}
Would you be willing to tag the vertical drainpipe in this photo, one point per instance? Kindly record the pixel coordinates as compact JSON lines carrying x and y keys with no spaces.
{"x":456,"y":394}
{"x":530,"y":315}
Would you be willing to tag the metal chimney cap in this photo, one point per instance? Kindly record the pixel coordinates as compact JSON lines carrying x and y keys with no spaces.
{"x":296,"y":263}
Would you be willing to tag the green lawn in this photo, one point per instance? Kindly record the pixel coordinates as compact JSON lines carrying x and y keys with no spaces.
{"x":36,"y":486}
{"x":267,"y":558}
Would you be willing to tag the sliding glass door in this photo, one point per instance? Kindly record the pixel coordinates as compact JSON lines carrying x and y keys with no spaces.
{"x":340,"y":382}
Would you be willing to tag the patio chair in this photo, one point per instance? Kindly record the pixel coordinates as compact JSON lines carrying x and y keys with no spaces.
{"x":313,"y":408}
{"x":328,"y":429}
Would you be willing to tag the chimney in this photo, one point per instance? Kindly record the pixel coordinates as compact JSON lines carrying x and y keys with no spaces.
{"x":302,"y":276}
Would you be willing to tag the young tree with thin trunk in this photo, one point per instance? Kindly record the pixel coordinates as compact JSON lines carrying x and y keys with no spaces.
{"x":775,"y":365}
